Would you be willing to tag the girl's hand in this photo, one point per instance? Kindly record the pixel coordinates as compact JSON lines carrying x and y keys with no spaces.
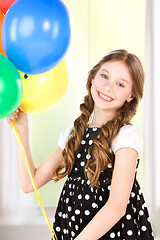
{"x":20,"y":118}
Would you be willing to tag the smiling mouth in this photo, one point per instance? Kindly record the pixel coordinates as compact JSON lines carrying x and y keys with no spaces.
{"x":107,"y":98}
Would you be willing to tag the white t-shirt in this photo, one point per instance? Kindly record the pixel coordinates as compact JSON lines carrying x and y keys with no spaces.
{"x":128,"y":136}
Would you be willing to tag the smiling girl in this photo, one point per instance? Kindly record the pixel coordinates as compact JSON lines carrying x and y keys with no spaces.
{"x":101,"y":198}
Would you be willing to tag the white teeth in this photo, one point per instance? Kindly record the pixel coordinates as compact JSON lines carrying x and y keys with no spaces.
{"x":105,"y":97}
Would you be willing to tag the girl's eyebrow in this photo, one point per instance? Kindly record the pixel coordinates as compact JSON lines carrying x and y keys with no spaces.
{"x":124,"y":80}
{"x":104,"y":70}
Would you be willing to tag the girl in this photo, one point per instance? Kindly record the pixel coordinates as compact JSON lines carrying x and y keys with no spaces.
{"x":101,"y":198}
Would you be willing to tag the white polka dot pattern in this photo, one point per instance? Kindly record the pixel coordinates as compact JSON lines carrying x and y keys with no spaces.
{"x":79,"y":202}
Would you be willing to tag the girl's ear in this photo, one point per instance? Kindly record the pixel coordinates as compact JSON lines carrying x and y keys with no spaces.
{"x":130,"y":98}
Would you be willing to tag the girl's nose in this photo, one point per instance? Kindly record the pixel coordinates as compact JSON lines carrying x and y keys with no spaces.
{"x":109,"y":86}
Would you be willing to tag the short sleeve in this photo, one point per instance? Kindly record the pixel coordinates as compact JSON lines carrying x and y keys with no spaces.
{"x":63,"y":138}
{"x":128,"y":136}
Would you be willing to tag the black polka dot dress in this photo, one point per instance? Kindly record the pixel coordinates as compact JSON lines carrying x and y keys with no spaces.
{"x":79,"y":202}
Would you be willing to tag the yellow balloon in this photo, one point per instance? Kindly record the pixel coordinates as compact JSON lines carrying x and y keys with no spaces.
{"x":42,"y":91}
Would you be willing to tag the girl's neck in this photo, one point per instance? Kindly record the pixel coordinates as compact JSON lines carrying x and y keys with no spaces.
{"x":98,"y":119}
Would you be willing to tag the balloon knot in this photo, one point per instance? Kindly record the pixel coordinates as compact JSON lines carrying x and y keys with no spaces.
{"x":25,"y":76}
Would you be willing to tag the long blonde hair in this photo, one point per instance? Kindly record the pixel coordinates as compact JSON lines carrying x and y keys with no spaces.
{"x":101,"y":148}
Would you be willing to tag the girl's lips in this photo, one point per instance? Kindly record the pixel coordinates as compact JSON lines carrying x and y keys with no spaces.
{"x":105,"y":97}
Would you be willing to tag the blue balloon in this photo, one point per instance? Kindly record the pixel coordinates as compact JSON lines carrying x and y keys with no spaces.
{"x":36,"y":34}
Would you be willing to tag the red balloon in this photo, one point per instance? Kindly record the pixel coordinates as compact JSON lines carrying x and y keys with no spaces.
{"x":5,"y":5}
{"x":1,"y":47}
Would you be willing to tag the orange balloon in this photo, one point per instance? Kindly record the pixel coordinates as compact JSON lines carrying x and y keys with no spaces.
{"x":1,"y":47}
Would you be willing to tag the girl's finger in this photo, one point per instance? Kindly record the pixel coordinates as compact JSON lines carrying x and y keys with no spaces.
{"x":9,"y":120}
{"x":13,"y":117}
{"x":14,"y":114}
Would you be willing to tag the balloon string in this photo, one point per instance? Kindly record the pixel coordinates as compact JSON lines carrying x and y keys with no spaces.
{"x":22,"y":110}
{"x":33,"y":182}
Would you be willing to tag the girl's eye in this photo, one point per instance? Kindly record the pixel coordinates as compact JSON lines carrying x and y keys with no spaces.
{"x":104,"y":76}
{"x":120,"y":84}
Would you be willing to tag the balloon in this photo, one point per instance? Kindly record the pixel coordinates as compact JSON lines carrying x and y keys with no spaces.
{"x":36,"y":34}
{"x":1,"y":20}
{"x":11,"y":88}
{"x":5,"y":4}
{"x":43,"y":91}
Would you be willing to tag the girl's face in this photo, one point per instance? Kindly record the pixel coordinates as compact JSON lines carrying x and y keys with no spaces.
{"x":111,"y":87}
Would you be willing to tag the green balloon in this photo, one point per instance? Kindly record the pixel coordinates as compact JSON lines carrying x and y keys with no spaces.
{"x":11,"y":88}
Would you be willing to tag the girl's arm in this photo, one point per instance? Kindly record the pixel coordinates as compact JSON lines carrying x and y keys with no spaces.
{"x":42,"y":174}
{"x":115,"y":208}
